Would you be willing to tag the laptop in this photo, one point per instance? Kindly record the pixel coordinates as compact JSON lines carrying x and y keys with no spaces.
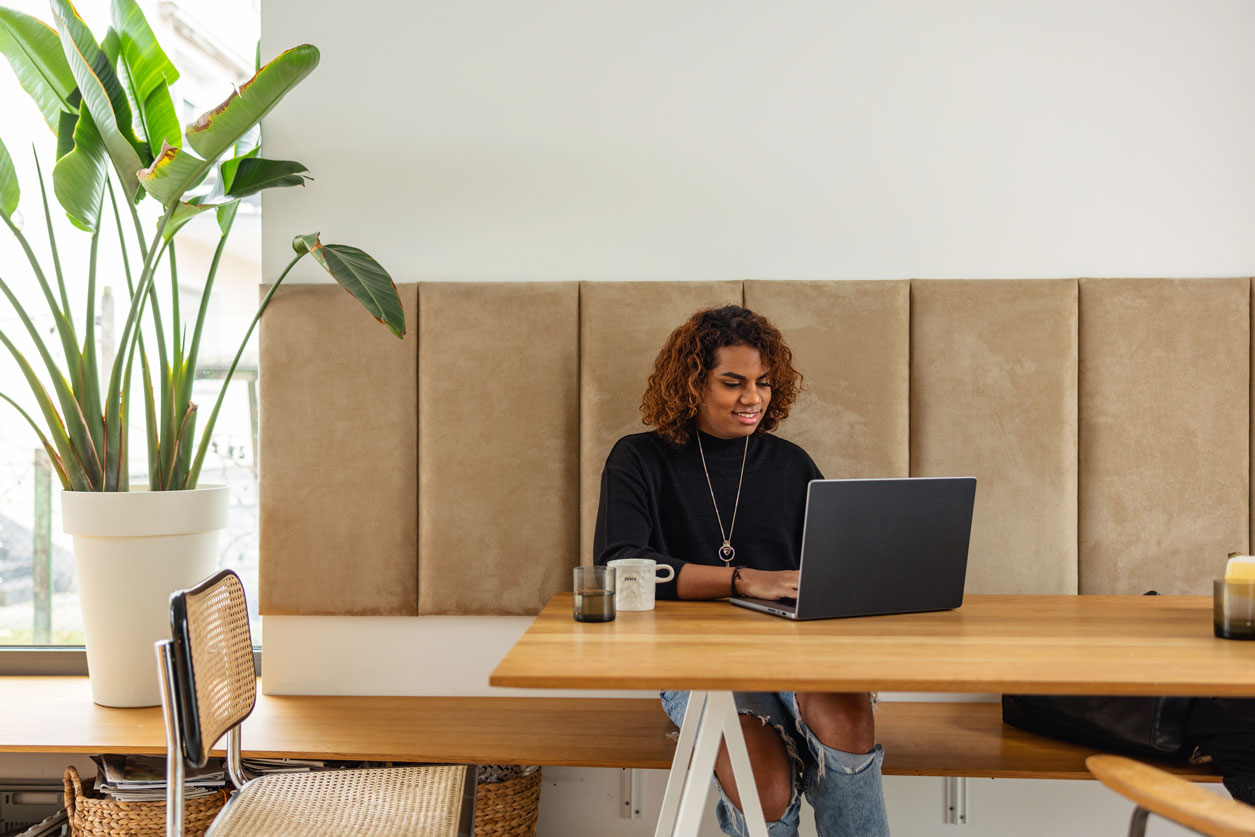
{"x":879,"y":546}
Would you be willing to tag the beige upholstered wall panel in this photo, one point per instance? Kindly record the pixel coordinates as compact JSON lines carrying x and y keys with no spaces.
{"x":498,"y":445}
{"x":993,"y":395}
{"x":851,"y":342}
{"x":1165,"y":394}
{"x":339,"y":432}
{"x":622,"y":327}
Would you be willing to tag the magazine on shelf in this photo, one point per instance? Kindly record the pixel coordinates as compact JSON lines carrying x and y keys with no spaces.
{"x":143,"y":778}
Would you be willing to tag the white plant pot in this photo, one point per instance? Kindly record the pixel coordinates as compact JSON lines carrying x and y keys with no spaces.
{"x":132,"y":549}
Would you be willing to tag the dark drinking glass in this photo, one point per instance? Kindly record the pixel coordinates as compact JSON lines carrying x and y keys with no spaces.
{"x":594,"y":594}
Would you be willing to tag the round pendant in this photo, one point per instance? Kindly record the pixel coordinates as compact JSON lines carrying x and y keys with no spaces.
{"x":726,"y":553}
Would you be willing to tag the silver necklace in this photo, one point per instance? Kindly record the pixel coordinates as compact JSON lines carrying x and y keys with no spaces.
{"x":726,"y":552}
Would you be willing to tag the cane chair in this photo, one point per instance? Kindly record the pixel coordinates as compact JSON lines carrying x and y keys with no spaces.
{"x":1155,"y":791}
{"x":210,"y":687}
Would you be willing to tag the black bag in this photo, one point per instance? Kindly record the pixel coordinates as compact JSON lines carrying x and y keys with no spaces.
{"x":1224,"y":728}
{"x":1140,"y":725}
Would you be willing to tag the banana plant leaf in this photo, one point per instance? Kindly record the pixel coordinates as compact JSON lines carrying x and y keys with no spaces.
{"x":359,"y":274}
{"x":226,"y":216}
{"x":145,"y":60}
{"x":239,"y":177}
{"x":34,"y":51}
{"x":78,"y":178}
{"x":147,"y":75}
{"x":66,"y":125}
{"x":10,"y":191}
{"x":253,"y":174}
{"x":102,"y":94}
{"x":216,"y":131}
{"x":176,"y":170}
{"x":161,"y":123}
{"x":171,"y":174}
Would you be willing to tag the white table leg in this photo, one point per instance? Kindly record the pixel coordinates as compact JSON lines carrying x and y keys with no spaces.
{"x":697,"y":783}
{"x":696,"y":750}
{"x":751,"y":805}
{"x":680,"y":764}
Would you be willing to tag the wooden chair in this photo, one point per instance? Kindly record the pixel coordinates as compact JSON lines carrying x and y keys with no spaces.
{"x":1185,"y":803}
{"x":210,"y":687}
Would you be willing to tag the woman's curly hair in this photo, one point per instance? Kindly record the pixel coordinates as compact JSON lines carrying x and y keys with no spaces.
{"x":678,"y":382}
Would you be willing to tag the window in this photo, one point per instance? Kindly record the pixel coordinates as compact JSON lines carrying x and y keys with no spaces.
{"x":213,"y":44}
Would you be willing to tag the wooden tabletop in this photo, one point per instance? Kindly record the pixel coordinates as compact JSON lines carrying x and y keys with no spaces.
{"x":1147,"y":645}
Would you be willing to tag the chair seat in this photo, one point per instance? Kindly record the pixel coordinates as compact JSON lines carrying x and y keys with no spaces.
{"x":396,"y":801}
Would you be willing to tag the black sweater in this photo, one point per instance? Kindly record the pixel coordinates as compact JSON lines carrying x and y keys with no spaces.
{"x":655,"y":502}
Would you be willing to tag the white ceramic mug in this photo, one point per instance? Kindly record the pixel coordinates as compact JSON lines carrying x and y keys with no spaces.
{"x":634,"y":582}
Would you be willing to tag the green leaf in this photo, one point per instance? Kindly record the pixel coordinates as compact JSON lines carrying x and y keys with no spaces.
{"x":171,"y":174}
{"x":10,"y":192}
{"x":228,"y":168}
{"x":252,"y":174}
{"x":226,"y":216}
{"x":102,"y":94}
{"x":109,"y":46}
{"x":306,"y":243}
{"x":146,"y":62}
{"x":214,"y":132}
{"x":175,"y":170}
{"x":78,"y":179}
{"x":161,"y":123}
{"x":147,"y":74}
{"x":359,"y":274}
{"x":67,"y":124}
{"x":124,"y":79}
{"x":34,"y":52}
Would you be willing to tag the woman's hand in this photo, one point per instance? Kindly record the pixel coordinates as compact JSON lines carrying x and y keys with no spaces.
{"x":764,"y":584}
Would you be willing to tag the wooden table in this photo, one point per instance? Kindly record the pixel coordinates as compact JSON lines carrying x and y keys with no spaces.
{"x":1131,"y":645}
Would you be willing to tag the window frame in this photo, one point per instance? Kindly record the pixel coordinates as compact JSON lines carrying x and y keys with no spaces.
{"x":60,"y":661}
{"x":43,"y":660}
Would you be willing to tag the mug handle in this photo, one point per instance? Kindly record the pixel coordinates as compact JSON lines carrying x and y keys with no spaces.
{"x":659,"y":579}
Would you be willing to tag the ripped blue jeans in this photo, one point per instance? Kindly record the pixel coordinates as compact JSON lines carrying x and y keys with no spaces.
{"x":843,"y":788}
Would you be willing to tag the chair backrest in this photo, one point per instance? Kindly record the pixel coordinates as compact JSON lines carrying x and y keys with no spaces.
{"x":215,"y":684}
{"x":1171,"y":797}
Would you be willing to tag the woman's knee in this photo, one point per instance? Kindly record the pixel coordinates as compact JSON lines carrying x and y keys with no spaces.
{"x":840,"y":720}
{"x":773,"y":769}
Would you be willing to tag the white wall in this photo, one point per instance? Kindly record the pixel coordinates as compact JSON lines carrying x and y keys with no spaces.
{"x":801,"y":139}
{"x":659,"y":139}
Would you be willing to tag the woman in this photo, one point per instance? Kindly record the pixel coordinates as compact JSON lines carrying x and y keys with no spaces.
{"x":713,"y":494}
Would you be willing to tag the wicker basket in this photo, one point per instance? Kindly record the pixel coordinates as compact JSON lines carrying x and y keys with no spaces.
{"x":509,"y":808}
{"x":94,"y":815}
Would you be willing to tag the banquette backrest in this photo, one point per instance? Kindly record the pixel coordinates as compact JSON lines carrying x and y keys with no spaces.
{"x":456,"y":471}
